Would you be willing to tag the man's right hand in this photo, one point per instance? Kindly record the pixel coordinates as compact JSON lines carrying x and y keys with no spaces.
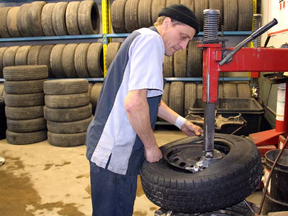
{"x":153,"y":154}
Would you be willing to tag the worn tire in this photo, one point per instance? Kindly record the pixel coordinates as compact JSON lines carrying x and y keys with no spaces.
{"x":199,"y":91}
{"x":112,"y":50}
{"x":80,"y":60}
{"x":25,"y":72}
{"x":189,"y":97}
{"x":67,"y":101}
{"x":156,"y":7}
{"x":180,"y":63}
{"x":118,"y":16}
{"x":12,"y":22}
{"x":66,"y":86}
{"x":9,"y":56}
{"x":200,"y":5}
{"x":230,"y":90}
{"x":168,"y":66}
{"x":46,"y":19}
{"x":170,"y":2}
{"x":24,"y":100}
{"x":195,"y":64}
{"x":22,"y":55}
{"x":58,"y":18}
{"x":243,"y":90}
{"x":72,"y":18}
{"x":131,"y":15}
{"x":44,"y":58}
{"x":218,"y":5}
{"x":66,"y":140}
{"x":34,"y":18}
{"x":1,"y":90}
{"x":88,"y":18}
{"x":230,"y":20}
{"x":56,"y":61}
{"x":224,"y":183}
{"x":188,"y":3}
{"x":26,"y":126}
{"x":176,"y":98}
{"x":24,"y":113}
{"x":24,"y":87}
{"x":67,"y":115}
{"x":95,"y":93}
{"x":25,"y":138}
{"x":68,"y":60}
{"x":220,"y":91}
{"x":144,"y":13}
{"x":2,"y":51}
{"x":4,"y":33}
{"x":95,"y":60}
{"x":22,"y":21}
{"x":69,"y":127}
{"x":245,"y":17}
{"x":33,"y":55}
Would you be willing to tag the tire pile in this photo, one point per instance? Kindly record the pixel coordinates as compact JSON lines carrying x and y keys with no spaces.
{"x":68,"y":111}
{"x":63,"y":60}
{"x":24,"y":101}
{"x":127,"y":16}
{"x":51,"y":19}
{"x":3,"y":125}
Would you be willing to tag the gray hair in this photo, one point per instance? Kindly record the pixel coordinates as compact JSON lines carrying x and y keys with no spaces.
{"x":161,"y":19}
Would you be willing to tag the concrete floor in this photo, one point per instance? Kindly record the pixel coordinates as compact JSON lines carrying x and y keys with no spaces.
{"x":40,"y":179}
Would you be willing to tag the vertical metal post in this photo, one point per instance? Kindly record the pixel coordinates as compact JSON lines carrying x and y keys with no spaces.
{"x":106,"y":26}
{"x":209,"y":121}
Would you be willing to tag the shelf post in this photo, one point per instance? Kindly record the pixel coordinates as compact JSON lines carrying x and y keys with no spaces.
{"x":106,"y":26}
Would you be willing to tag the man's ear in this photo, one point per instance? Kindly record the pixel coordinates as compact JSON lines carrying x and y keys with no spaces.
{"x":167,"y":21}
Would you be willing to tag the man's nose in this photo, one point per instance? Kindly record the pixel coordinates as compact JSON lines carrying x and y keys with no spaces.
{"x":183,"y":44}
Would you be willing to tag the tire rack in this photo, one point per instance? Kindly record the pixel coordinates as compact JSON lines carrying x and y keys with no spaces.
{"x":106,"y":38}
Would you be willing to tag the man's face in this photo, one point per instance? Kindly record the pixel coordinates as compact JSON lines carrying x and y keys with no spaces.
{"x":176,"y":37}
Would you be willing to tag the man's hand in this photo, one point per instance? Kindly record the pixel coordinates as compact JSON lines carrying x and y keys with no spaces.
{"x":190,"y":129}
{"x":153,"y":154}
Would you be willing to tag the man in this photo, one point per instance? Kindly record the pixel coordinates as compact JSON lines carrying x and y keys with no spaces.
{"x":121,"y":135}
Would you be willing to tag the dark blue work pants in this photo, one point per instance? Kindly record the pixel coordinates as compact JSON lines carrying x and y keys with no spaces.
{"x":112,"y":194}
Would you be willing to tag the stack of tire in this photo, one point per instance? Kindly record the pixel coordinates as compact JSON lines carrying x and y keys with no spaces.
{"x":130,"y":15}
{"x":41,"y":19}
{"x":24,"y":101}
{"x":68,"y":111}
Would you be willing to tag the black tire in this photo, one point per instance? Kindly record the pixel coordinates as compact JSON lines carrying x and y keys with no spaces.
{"x":131,"y":15}
{"x":69,"y":127}
{"x":88,"y":18}
{"x":199,"y":91}
{"x":80,"y":60}
{"x":112,"y":50}
{"x":144,"y":13}
{"x":26,"y":126}
{"x":66,"y":86}
{"x":24,"y":100}
{"x":4,"y":33}
{"x":190,"y":97}
{"x":90,"y":86}
{"x":218,"y":5}
{"x":195,"y":56}
{"x":46,"y":19}
{"x":230,"y":90}
{"x":118,"y":16}
{"x":230,"y":20}
{"x":9,"y":56}
{"x":72,"y":18}
{"x":2,"y":51}
{"x":24,"y":113}
{"x":33,"y":55}
{"x":1,"y":90}
{"x":58,"y":18}
{"x":68,"y":60}
{"x":243,"y":90}
{"x":22,"y":21}
{"x":67,"y":101}
{"x":25,"y":138}
{"x":156,"y":6}
{"x":24,"y":87}
{"x":22,"y":55}
{"x":66,"y":140}
{"x":245,"y":17}
{"x":95,"y":93}
{"x":170,"y":2}
{"x":12,"y":22}
{"x":168,"y":66}
{"x":95,"y":60}
{"x":34,"y":18}
{"x":188,"y":3}
{"x":180,"y":63}
{"x":56,"y":61}
{"x":25,"y":72}
{"x":224,"y":183}
{"x":165,"y":96}
{"x":44,"y":58}
{"x":200,"y":5}
{"x":176,"y":97}
{"x":67,"y":115}
{"x":220,"y":91}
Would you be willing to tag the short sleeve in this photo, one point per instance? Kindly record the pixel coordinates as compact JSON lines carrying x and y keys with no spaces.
{"x":146,"y":64}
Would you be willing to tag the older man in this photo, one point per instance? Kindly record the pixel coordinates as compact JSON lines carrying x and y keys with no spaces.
{"x":120,"y":136}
